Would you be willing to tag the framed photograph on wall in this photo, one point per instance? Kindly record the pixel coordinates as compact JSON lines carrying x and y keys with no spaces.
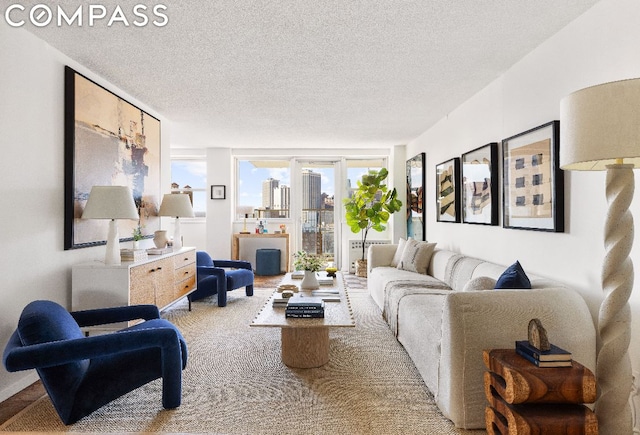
{"x":480,"y":185}
{"x":533,"y":184}
{"x":415,"y":197}
{"x":448,"y":191}
{"x":108,"y":141}
{"x":218,"y":191}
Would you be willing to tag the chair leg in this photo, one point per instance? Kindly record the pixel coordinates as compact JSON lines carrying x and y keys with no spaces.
{"x":222,"y":298}
{"x":249,"y":290}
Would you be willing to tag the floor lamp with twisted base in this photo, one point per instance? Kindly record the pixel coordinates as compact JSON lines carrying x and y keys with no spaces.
{"x":600,"y":130}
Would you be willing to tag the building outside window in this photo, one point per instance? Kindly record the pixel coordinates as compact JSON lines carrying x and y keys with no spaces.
{"x":190,"y":176}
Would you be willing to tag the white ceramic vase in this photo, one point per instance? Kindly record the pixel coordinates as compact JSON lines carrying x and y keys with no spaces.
{"x":310,"y":281}
{"x":160,"y":238}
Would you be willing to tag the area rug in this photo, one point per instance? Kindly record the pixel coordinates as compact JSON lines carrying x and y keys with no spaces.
{"x":235,"y":382}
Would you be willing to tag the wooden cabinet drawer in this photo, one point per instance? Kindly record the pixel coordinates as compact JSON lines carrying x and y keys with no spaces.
{"x":185,"y":286}
{"x":184,"y":272}
{"x":184,"y":259}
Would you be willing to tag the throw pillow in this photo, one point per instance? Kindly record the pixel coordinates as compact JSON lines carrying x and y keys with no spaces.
{"x":416,"y":256}
{"x":513,"y":278}
{"x":398,"y":255}
{"x":480,"y":283}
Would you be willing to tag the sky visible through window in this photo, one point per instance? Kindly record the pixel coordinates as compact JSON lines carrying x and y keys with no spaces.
{"x":192,"y":173}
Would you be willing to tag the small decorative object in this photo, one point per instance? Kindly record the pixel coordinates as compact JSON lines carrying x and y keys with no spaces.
{"x":283,"y":228}
{"x":448,"y":191}
{"x":331,"y":270}
{"x":137,"y":236}
{"x":533,"y":184}
{"x":218,"y":191}
{"x":244,"y":228}
{"x":538,"y":335}
{"x":310,"y":264}
{"x":160,"y":239}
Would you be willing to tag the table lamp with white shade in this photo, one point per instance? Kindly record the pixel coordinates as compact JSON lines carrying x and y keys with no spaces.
{"x":600,"y":130}
{"x":176,"y":205}
{"x":111,"y":202}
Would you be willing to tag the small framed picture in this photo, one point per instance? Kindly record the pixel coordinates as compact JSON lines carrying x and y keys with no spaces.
{"x":448,"y":191}
{"x":533,"y":183}
{"x":480,"y":185}
{"x":218,"y":191}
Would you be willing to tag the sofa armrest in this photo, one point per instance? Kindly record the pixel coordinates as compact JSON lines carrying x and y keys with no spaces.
{"x":475,"y":321}
{"x":380,"y":255}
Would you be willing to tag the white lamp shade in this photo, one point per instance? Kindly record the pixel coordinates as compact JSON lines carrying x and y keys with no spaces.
{"x":176,"y":205}
{"x":600,"y":125}
{"x":110,"y":202}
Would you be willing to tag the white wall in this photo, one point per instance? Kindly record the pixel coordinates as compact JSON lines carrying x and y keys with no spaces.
{"x":34,"y":263}
{"x":600,"y":46}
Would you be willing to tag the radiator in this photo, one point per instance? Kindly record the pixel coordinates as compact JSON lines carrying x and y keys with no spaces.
{"x":355,"y":251}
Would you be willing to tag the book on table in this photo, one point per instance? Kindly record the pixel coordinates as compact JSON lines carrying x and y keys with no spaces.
{"x":555,"y":353}
{"x":542,"y":364}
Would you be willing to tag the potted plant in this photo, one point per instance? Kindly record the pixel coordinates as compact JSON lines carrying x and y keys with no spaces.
{"x":370,"y":207}
{"x":137,"y":236}
{"x":310,"y":264}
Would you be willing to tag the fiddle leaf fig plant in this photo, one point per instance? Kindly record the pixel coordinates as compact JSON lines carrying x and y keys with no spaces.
{"x":371,"y":205}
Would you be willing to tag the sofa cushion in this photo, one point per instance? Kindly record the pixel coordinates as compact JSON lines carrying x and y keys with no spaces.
{"x":513,"y":277}
{"x":416,"y":256}
{"x":399,"y":250}
{"x":480,"y":283}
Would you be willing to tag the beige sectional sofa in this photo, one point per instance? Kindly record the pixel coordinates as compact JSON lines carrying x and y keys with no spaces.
{"x":444,"y":328}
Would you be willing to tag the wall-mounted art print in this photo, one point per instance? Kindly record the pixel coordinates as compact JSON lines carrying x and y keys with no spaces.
{"x":108,"y":141}
{"x":533,"y":183}
{"x":448,"y":191}
{"x":218,"y":191}
{"x":415,"y":197}
{"x":480,"y":185}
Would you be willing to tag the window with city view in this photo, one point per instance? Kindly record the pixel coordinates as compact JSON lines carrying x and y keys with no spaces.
{"x":263,"y":189}
{"x":190,"y":177}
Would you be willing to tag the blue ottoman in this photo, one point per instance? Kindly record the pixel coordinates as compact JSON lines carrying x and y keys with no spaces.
{"x":267,"y":262}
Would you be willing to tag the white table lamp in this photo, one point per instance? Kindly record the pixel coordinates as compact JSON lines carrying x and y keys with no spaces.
{"x":111,"y":202}
{"x":600,"y":130}
{"x":176,"y":205}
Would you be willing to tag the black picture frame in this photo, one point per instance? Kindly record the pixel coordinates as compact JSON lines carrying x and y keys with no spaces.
{"x":533,"y":183}
{"x":479,"y":185}
{"x":448,"y":191}
{"x":218,"y":191}
{"x":416,"y":226}
{"x":108,"y":141}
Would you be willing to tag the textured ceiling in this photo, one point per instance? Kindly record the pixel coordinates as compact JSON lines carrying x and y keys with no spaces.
{"x":308,"y":73}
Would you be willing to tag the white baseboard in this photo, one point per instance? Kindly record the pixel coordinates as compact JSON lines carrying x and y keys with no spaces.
{"x":22,"y":383}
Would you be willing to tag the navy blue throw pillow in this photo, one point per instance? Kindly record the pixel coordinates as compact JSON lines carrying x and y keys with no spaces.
{"x":513,"y":277}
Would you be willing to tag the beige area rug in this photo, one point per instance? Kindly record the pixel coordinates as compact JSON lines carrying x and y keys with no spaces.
{"x":235,"y":382}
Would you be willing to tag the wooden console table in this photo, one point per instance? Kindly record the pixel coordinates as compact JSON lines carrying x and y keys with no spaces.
{"x":524,"y":398}
{"x":235,"y":247}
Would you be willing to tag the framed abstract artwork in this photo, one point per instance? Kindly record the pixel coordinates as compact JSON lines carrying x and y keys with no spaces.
{"x":108,"y":141}
{"x":480,"y":185}
{"x":415,"y":197}
{"x":533,"y":183}
{"x":448,"y":191}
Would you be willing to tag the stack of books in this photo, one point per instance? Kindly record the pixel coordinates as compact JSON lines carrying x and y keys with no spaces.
{"x":305,"y":307}
{"x":133,"y":255}
{"x":554,"y":357}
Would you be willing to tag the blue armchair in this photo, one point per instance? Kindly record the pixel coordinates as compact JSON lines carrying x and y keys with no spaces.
{"x":220,"y":276}
{"x":82,"y":374}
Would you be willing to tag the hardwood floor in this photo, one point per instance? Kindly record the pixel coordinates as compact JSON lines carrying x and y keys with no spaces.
{"x":21,"y":400}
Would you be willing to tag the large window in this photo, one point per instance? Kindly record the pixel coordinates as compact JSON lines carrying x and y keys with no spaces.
{"x":190,"y":176}
{"x":264,"y":189}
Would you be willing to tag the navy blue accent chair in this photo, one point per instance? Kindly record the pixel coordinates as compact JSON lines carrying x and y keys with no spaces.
{"x":219,"y":277}
{"x":82,"y":374}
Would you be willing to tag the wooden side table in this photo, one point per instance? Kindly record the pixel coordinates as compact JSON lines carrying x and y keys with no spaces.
{"x":526,"y":399}
{"x":235,"y":245}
